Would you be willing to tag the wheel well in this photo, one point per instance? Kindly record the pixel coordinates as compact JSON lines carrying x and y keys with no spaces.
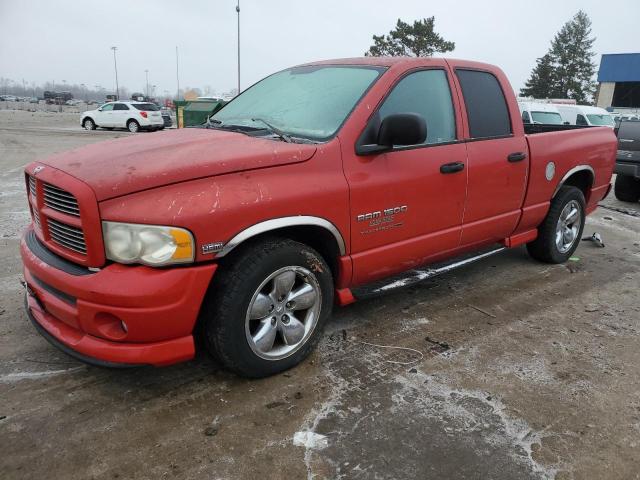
{"x":87,"y":117}
{"x":318,"y":238}
{"x":583,"y":180}
{"x":132,"y":120}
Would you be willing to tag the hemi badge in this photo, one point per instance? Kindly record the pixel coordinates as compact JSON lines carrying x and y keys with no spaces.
{"x":212,"y":247}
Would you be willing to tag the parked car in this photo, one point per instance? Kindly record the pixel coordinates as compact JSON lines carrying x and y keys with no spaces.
{"x":244,"y":231}
{"x":585,"y":115}
{"x":134,"y":116}
{"x":627,"y":186}
{"x":9,"y":98}
{"x":540,"y":113}
{"x":166,"y":116}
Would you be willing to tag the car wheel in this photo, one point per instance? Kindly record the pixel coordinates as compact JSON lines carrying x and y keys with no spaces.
{"x":560,"y":232}
{"x":161,"y":128}
{"x":133,"y":126}
{"x":88,"y":124}
{"x":266,"y":308}
{"x":627,"y":188}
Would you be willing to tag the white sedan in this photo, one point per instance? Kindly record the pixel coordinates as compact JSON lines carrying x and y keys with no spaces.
{"x":134,"y":116}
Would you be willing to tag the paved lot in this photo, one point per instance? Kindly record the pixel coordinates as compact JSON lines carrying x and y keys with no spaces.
{"x":525,"y":371}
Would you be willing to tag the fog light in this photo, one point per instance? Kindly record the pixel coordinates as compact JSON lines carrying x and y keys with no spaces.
{"x":109,"y":326}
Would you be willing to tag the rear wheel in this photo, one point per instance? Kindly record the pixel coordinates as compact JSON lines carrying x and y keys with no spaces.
{"x":627,"y":188}
{"x":560,"y":232}
{"x":266,"y":309}
{"x":133,"y":126}
{"x":88,"y":124}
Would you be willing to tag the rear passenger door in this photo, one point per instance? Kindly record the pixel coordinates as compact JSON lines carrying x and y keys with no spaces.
{"x":497,"y":159}
{"x":120,"y":115}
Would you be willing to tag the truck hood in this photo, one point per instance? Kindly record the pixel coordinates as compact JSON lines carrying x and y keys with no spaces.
{"x":127,"y":165}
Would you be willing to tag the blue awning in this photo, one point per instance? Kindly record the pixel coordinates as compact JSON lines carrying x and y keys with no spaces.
{"x":619,"y":67}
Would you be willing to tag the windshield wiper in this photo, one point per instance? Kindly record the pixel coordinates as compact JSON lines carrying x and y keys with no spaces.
{"x":285,"y":137}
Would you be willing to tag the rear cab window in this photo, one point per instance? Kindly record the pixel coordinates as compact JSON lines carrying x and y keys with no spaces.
{"x":487,"y":110}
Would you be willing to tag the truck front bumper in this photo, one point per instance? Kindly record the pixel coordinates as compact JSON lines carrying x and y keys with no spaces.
{"x":118,"y":316}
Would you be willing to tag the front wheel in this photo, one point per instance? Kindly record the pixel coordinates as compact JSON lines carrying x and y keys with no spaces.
{"x":88,"y":124}
{"x":133,"y":126}
{"x":560,"y":232}
{"x":266,"y":309}
{"x":627,"y":188}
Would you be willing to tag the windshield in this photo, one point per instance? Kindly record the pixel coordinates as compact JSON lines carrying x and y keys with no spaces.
{"x":547,"y":118}
{"x":146,"y":107}
{"x":309,"y":102}
{"x":601,"y":119}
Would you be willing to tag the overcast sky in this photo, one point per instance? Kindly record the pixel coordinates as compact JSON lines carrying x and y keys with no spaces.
{"x":45,"y":40}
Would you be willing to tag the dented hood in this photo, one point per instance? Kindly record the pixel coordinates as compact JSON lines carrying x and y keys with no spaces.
{"x":127,"y":165}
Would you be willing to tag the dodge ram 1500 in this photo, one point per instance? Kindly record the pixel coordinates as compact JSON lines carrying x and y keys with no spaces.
{"x":314,"y":181}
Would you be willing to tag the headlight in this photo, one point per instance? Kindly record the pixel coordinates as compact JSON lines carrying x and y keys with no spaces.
{"x":153,"y":245}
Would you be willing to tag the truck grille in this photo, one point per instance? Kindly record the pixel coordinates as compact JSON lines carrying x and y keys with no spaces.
{"x":67,"y":236}
{"x":57,"y":199}
{"x":32,"y":185}
{"x":36,"y":217}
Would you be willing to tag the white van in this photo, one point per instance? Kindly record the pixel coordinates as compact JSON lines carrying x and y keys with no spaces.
{"x":586,"y":115}
{"x":540,"y":113}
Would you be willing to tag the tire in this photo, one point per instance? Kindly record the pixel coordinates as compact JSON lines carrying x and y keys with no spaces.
{"x":255,"y":345}
{"x":557,"y":238}
{"x":88,"y":124}
{"x":133,"y":126}
{"x":161,"y":128}
{"x":627,"y":188}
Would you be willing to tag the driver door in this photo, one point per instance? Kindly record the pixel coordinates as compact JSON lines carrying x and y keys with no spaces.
{"x":405,"y":207}
{"x":105,"y":115}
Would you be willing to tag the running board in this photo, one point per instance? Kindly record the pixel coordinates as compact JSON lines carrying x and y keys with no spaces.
{"x":412,"y":277}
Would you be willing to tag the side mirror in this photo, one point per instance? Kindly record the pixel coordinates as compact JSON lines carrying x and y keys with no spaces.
{"x":398,"y":129}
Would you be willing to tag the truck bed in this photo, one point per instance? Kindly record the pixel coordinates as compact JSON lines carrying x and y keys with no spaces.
{"x":533,"y":128}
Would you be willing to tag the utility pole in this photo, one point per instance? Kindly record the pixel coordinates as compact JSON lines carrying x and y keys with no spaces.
{"x":115,"y":66}
{"x":177,"y":76}
{"x":238,"y":11}
{"x":146,"y":72}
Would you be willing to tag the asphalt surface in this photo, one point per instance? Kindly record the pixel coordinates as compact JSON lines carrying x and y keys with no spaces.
{"x":517,"y":370}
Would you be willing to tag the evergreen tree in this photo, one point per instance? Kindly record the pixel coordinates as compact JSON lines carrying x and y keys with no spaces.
{"x":542,"y":81}
{"x":417,"y":40}
{"x":567,"y":70}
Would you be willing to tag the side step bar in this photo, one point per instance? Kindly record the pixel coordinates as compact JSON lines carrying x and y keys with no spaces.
{"x":415,"y":276}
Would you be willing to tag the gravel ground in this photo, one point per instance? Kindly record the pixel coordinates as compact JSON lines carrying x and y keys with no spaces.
{"x":520,"y":370}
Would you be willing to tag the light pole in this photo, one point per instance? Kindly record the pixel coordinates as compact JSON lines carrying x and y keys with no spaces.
{"x":238,"y":11}
{"x":177,"y":76}
{"x":115,"y":66}
{"x":146,"y":72}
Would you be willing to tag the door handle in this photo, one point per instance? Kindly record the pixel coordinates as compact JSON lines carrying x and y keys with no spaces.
{"x":452,"y":167}
{"x":516,"y":157}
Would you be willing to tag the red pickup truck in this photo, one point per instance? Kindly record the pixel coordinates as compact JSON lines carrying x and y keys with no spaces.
{"x":316,"y":180}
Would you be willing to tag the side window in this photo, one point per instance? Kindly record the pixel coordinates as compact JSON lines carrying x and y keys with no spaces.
{"x":120,"y":106}
{"x":525,"y":117}
{"x":425,"y":92}
{"x":580,"y":120}
{"x":486,"y":106}
{"x":108,"y":107}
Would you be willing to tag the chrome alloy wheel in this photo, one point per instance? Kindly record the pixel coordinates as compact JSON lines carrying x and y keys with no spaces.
{"x":283,"y":313}
{"x":568,"y":226}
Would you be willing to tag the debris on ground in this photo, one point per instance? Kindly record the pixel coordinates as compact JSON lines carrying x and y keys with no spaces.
{"x":595,"y":238}
{"x":310,"y":440}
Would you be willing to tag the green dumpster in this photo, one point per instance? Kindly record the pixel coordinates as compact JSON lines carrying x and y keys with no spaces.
{"x":190,"y":113}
